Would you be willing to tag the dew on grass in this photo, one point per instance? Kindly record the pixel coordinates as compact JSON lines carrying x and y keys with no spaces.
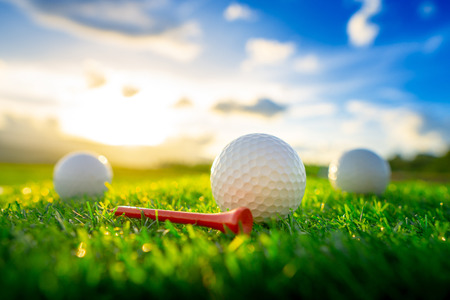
{"x":147,"y":247}
{"x":81,"y":251}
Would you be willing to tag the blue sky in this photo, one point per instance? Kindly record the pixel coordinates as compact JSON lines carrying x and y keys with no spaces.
{"x":326,"y":76}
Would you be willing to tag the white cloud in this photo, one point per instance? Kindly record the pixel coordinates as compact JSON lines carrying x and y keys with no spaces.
{"x":313,"y":110}
{"x":433,"y":43}
{"x":360,"y":31}
{"x":307,"y":64}
{"x":137,"y":25}
{"x":94,"y":73}
{"x":130,"y":90}
{"x":44,"y":87}
{"x":266,"y":52}
{"x":171,"y":44}
{"x":263,"y":107}
{"x":236,"y":11}
{"x":398,"y":129}
{"x":127,"y":13}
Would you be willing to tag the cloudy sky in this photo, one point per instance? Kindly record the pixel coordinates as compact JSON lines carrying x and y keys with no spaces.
{"x":184,"y":78}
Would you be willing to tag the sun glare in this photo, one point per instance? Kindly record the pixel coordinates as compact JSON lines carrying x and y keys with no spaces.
{"x":104,"y":115}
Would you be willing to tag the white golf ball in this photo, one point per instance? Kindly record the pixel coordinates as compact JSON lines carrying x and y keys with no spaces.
{"x":360,"y":171}
{"x":260,"y":172}
{"x":81,"y":174}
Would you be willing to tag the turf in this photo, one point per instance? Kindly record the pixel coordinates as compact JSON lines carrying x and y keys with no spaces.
{"x":340,"y":246}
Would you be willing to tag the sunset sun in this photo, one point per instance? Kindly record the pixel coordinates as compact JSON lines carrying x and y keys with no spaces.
{"x":107,"y":117}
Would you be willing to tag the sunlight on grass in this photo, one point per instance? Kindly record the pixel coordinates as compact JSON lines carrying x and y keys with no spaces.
{"x":398,"y":240}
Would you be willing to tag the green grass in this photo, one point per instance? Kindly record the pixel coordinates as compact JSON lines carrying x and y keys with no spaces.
{"x":335,"y":245}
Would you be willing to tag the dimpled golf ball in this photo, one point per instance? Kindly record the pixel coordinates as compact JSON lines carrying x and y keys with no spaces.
{"x":81,"y":174}
{"x":359,"y":171}
{"x":260,"y":172}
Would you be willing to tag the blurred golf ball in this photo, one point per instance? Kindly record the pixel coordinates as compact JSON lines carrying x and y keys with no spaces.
{"x":260,"y":172}
{"x":81,"y":174}
{"x":359,"y":171}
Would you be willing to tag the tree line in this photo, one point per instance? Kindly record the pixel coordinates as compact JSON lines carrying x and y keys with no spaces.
{"x":422,"y":163}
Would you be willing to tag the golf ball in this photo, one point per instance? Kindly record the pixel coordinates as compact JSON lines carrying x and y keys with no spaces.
{"x":81,"y":174}
{"x":261,"y":172}
{"x":359,"y":171}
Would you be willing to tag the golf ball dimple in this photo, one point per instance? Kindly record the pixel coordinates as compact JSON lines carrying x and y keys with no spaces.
{"x":261,"y":172}
{"x":81,"y":174}
{"x":359,"y":171}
